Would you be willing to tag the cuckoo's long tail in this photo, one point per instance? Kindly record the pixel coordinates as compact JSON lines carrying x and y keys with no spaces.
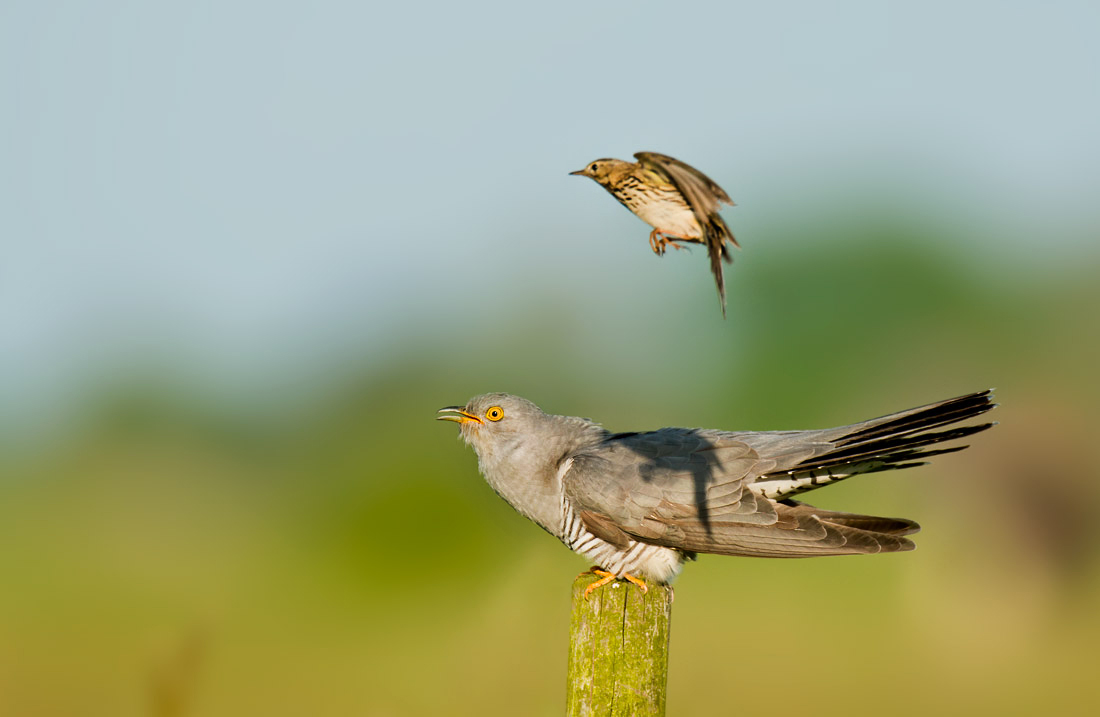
{"x":900,"y":440}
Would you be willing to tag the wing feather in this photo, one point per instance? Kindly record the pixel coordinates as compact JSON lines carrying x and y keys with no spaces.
{"x":689,"y":180}
{"x":705,"y":198}
{"x":690,"y":489}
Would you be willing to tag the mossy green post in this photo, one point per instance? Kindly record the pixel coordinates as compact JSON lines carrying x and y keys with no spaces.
{"x":618,"y":649}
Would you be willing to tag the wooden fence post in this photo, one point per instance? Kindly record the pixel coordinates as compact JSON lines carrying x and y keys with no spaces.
{"x":618,"y":649}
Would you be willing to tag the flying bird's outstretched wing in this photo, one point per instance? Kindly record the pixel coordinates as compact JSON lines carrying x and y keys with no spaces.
{"x":701,"y":191}
{"x":705,"y":198}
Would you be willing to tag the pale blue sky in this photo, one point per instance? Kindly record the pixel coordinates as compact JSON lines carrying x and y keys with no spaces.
{"x":241,"y":187}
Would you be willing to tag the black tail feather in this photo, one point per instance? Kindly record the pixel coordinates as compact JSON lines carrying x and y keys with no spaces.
{"x":896,"y":439}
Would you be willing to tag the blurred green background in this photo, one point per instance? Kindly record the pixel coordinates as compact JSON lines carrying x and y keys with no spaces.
{"x":251,"y":248}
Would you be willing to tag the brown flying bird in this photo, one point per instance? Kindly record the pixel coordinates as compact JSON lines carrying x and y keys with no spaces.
{"x":677,"y":200}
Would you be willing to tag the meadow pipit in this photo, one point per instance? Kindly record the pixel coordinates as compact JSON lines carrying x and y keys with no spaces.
{"x":677,"y":200}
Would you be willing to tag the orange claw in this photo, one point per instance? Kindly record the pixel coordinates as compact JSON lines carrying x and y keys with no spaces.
{"x":637,"y":581}
{"x":606,"y":577}
{"x":657,"y":242}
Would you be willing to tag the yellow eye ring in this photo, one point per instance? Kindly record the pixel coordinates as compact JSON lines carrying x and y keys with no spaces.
{"x":495,"y":413}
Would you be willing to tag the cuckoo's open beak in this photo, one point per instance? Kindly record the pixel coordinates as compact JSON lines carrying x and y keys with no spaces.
{"x":456,"y":414}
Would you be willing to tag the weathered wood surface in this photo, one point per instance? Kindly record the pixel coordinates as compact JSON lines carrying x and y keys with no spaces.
{"x":618,"y":649}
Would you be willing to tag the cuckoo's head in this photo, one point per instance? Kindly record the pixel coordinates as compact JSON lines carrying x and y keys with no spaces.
{"x":605,"y":171}
{"x":493,"y":418}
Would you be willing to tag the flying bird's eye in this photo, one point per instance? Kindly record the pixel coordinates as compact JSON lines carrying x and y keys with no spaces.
{"x":592,"y":167}
{"x":495,"y":413}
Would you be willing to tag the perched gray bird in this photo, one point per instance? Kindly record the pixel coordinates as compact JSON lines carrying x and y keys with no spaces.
{"x":677,"y":200}
{"x":640,"y":504}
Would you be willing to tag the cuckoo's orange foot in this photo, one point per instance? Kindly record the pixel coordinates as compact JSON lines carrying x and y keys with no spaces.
{"x":637,"y":581}
{"x":606,"y":577}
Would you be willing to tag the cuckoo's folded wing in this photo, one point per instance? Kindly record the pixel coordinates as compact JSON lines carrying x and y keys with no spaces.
{"x":689,"y":489}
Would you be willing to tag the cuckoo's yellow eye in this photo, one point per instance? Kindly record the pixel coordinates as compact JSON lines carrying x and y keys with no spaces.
{"x":495,"y":413}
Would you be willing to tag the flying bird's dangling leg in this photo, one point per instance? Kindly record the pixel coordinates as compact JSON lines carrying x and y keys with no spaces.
{"x":657,"y":242}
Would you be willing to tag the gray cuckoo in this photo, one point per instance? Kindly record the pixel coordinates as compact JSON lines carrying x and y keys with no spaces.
{"x":639,"y":504}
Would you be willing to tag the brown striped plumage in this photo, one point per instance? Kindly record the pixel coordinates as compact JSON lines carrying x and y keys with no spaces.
{"x":677,"y":200}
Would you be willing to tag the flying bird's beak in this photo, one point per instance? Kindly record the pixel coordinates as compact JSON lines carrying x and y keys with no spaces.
{"x":461,"y":417}
{"x":579,"y":173}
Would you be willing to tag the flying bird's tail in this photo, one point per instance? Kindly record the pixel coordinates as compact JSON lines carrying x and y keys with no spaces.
{"x":716,"y":234}
{"x":900,"y":440}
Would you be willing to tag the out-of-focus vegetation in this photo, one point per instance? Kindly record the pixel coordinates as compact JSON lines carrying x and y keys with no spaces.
{"x":339,"y":554}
